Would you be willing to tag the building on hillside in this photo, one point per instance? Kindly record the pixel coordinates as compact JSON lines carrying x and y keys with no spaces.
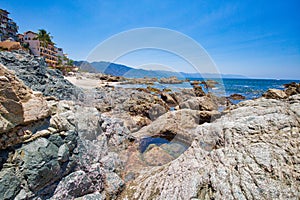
{"x":49,"y":52}
{"x":8,"y":28}
{"x":62,"y":56}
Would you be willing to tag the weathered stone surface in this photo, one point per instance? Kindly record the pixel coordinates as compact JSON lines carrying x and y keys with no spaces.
{"x":237,"y":97}
{"x":168,"y":99}
{"x":63,"y":153}
{"x":80,"y":183}
{"x":177,"y":123}
{"x":209,"y":83}
{"x":9,"y":184}
{"x":156,"y":110}
{"x":170,"y":80}
{"x":18,"y":106}
{"x":112,"y":162}
{"x":114,"y":185}
{"x":250,"y":153}
{"x":199,"y":103}
{"x":35,"y":74}
{"x":275,"y":94}
{"x":292,"y":88}
{"x":35,"y":108}
{"x":156,"y":156}
{"x":40,"y":163}
{"x":12,"y":93}
{"x":198,"y":91}
{"x":94,"y":196}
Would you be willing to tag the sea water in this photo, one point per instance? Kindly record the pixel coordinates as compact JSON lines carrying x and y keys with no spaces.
{"x":250,"y":88}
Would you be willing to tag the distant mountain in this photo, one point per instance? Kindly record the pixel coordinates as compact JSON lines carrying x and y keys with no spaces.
{"x":111,"y":68}
{"x":211,"y":75}
{"x":129,"y":72}
{"x":85,"y":66}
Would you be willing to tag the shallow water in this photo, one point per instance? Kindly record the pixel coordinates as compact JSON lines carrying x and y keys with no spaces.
{"x":171,"y":146}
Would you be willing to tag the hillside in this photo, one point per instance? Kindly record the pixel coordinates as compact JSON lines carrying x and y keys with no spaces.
{"x":130,"y":72}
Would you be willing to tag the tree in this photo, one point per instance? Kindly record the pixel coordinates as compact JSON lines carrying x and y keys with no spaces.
{"x":44,"y":37}
{"x":70,"y":62}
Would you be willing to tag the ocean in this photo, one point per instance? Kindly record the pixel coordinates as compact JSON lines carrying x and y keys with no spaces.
{"x":250,"y":88}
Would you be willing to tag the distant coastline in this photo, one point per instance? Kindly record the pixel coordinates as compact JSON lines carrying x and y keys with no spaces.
{"x":130,"y":72}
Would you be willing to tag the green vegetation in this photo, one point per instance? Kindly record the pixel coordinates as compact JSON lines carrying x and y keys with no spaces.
{"x":44,"y":37}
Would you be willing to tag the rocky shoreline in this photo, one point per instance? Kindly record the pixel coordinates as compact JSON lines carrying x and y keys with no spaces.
{"x":59,"y":141}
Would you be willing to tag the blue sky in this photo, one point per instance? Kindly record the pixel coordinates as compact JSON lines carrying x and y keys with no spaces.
{"x":252,"y":38}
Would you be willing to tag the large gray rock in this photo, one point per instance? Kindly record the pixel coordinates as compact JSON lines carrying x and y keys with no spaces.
{"x":250,"y":153}
{"x":35,"y":74}
{"x":9,"y":184}
{"x":80,"y":183}
{"x":40,"y":163}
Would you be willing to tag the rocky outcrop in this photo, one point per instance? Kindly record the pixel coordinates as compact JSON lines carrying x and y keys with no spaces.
{"x":292,"y":88}
{"x":275,"y":94}
{"x":35,"y":74}
{"x":199,"y":103}
{"x":170,"y":80}
{"x":117,"y":143}
{"x":19,"y":106}
{"x":70,"y":157}
{"x":177,"y":123}
{"x":209,"y":83}
{"x":136,"y":108}
{"x":58,"y":156}
{"x":168,"y":99}
{"x":145,"y":80}
{"x":237,"y":97}
{"x":252,"y":152}
{"x":198,"y":91}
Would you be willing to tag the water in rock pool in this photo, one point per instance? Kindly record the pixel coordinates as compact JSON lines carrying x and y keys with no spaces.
{"x":171,"y":146}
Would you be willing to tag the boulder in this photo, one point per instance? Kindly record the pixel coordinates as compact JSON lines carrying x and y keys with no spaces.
{"x":249,"y":153}
{"x":199,"y":103}
{"x":170,"y":80}
{"x":179,"y":124}
{"x":19,"y":106}
{"x":210,"y":83}
{"x":168,"y":99}
{"x":237,"y":97}
{"x":198,"y":91}
{"x":78,"y":184}
{"x":292,"y":88}
{"x":114,"y":185}
{"x":275,"y":94}
{"x":33,"y":71}
{"x":9,"y":184}
{"x":155,"y":111}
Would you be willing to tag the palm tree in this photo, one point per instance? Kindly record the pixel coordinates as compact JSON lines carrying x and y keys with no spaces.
{"x":44,"y":37}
